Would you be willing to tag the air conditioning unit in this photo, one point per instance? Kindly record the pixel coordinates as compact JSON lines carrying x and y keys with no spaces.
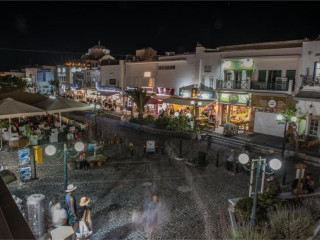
{"x":281,"y":79}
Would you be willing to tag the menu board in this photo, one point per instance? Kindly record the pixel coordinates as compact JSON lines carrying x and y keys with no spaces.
{"x":24,"y":164}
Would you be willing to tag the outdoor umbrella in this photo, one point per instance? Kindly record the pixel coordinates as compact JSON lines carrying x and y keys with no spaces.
{"x":59,"y":105}
{"x":10,"y":108}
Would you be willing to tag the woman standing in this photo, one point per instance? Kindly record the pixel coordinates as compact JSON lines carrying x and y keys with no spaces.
{"x":83,"y":161}
{"x":72,"y":209}
{"x":85,"y":223}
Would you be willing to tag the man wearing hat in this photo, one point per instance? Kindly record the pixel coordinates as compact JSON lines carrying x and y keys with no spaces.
{"x":72,"y":209}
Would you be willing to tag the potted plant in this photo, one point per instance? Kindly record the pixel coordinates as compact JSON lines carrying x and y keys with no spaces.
{"x":100,"y":161}
{"x":72,"y":164}
{"x":92,"y":163}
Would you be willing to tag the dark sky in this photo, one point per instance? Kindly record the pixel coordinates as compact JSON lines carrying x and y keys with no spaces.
{"x":124,"y":27}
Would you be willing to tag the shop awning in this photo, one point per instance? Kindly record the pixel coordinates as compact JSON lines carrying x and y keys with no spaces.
{"x":107,"y":94}
{"x":187,"y":102}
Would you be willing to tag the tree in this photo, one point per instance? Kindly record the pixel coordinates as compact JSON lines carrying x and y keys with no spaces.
{"x":182,"y":125}
{"x":10,"y":83}
{"x":56,"y":85}
{"x":140,"y":98}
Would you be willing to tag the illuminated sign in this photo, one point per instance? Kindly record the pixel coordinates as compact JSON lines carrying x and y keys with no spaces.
{"x":165,"y":91}
{"x":235,"y":99}
{"x":148,"y":89}
{"x":238,"y":64}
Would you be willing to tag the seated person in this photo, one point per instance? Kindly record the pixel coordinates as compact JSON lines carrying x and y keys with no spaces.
{"x":295,"y":186}
{"x":83,"y":161}
{"x":273,"y":186}
{"x":308,"y":184}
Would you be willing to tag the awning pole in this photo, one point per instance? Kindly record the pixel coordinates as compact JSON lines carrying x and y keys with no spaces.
{"x":60,"y":118}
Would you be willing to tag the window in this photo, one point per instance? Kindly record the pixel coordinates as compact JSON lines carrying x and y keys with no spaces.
{"x":211,"y":82}
{"x":317,"y":69}
{"x":291,"y":74}
{"x":207,"y":68}
{"x":63,"y":70}
{"x":273,"y":74}
{"x":171,"y":67}
{"x":112,"y":81}
{"x":314,"y":127}
{"x":203,"y":81}
{"x":147,"y":74}
{"x":262,"y":75}
{"x":59,"y":70}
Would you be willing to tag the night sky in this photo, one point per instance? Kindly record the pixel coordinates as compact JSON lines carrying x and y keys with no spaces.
{"x":123,"y":27}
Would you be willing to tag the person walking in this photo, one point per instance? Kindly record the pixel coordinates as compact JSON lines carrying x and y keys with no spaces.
{"x":85,"y":222}
{"x":71,"y":207}
{"x":152,"y":214}
{"x":230,"y":161}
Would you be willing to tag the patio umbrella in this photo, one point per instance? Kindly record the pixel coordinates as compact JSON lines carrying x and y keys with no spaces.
{"x":10,"y":108}
{"x":59,"y":105}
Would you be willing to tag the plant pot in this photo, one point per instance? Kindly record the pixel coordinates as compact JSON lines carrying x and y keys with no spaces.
{"x":92,"y":164}
{"x":117,"y":141}
{"x":111,"y":142}
{"x":99,"y":164}
{"x":72,"y":166}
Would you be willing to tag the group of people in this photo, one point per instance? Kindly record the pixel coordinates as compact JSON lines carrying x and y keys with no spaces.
{"x":77,"y":215}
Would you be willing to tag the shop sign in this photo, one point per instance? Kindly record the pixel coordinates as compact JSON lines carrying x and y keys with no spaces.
{"x":244,"y":64}
{"x":194,"y":92}
{"x":148,"y":89}
{"x":185,"y":93}
{"x":235,"y":99}
{"x":272,"y":103}
{"x":24,"y":164}
{"x":206,"y":95}
{"x":151,"y":146}
{"x":165,"y":91}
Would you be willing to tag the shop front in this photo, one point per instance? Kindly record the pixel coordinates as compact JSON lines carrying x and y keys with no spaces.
{"x":234,"y":108}
{"x":265,"y":109}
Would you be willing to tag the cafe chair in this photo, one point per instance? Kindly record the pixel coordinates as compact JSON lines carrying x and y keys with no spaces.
{"x":53,"y":138}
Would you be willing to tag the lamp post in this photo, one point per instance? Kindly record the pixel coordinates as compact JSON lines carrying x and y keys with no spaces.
{"x":285,"y":120}
{"x":95,"y":107}
{"x":258,"y":165}
{"x":51,"y":150}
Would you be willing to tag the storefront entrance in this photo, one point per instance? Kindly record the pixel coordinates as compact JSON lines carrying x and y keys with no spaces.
{"x":238,"y":115}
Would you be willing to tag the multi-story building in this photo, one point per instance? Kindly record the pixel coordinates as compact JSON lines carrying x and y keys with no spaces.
{"x":66,"y":75}
{"x":308,"y":95}
{"x":40,"y":77}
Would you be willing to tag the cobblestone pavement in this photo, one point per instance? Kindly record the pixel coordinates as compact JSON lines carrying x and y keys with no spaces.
{"x":194,"y":201}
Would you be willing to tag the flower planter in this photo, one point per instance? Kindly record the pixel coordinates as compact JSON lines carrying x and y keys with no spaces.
{"x":92,"y":164}
{"x":117,"y":141}
{"x":99,"y":164}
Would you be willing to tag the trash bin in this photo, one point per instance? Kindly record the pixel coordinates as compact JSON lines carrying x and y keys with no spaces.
{"x":38,"y":156}
{"x":35,"y":207}
{"x":202,"y":158}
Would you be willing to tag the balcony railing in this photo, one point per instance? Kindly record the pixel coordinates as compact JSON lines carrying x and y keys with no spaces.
{"x":231,"y":84}
{"x":310,"y":80}
{"x":275,"y":86}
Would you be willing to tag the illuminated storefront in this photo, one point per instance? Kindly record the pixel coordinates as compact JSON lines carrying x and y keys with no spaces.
{"x":234,"y":108}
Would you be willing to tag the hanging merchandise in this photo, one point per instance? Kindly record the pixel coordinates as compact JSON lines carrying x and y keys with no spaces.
{"x":24,"y":164}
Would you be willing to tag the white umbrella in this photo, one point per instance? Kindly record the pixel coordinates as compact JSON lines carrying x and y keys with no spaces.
{"x":59,"y":105}
{"x":10,"y":108}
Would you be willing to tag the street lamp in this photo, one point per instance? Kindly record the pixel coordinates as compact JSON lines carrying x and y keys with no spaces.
{"x":51,"y":150}
{"x":258,"y":165}
{"x":95,"y":107}
{"x":195,"y":104}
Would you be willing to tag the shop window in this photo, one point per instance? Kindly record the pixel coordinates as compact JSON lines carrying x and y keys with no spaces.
{"x":203,"y":81}
{"x":228,"y":75}
{"x":211,"y":82}
{"x":112,"y":81}
{"x":147,"y":74}
{"x":314,"y":127}
{"x":273,"y":74}
{"x":207,"y":68}
{"x":262,"y":75}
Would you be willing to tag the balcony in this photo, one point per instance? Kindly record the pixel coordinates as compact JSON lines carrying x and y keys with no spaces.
{"x":273,"y":86}
{"x":310,"y":81}
{"x":232,"y":84}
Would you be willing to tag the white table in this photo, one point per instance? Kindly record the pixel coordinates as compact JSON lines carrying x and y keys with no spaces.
{"x":61,"y":233}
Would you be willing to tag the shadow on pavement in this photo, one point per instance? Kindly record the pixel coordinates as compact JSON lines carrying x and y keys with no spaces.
{"x":119,"y":232}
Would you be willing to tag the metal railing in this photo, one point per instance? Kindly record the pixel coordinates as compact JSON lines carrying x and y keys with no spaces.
{"x":276,"y":86}
{"x":309,"y":80}
{"x":232,"y":84}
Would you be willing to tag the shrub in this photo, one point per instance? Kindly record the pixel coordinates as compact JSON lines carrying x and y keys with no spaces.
{"x":134,"y":120}
{"x":313,"y":205}
{"x":291,"y":223}
{"x":264,"y":204}
{"x":245,"y":232}
{"x":162,"y":122}
{"x":149,"y":119}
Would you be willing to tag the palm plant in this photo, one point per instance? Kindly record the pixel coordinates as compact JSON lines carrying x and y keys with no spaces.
{"x":10,"y":83}
{"x":140,"y":98}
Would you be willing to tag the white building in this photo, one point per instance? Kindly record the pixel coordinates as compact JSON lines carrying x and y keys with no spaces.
{"x":309,"y":93}
{"x":66,"y":75}
{"x":41,"y":77}
{"x":112,"y":74}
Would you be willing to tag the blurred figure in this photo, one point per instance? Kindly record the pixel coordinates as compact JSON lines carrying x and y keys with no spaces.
{"x":230,"y":161}
{"x":58,"y":214}
{"x":136,"y":218}
{"x":152,"y":216}
{"x":83,"y":161}
{"x":308,"y":184}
